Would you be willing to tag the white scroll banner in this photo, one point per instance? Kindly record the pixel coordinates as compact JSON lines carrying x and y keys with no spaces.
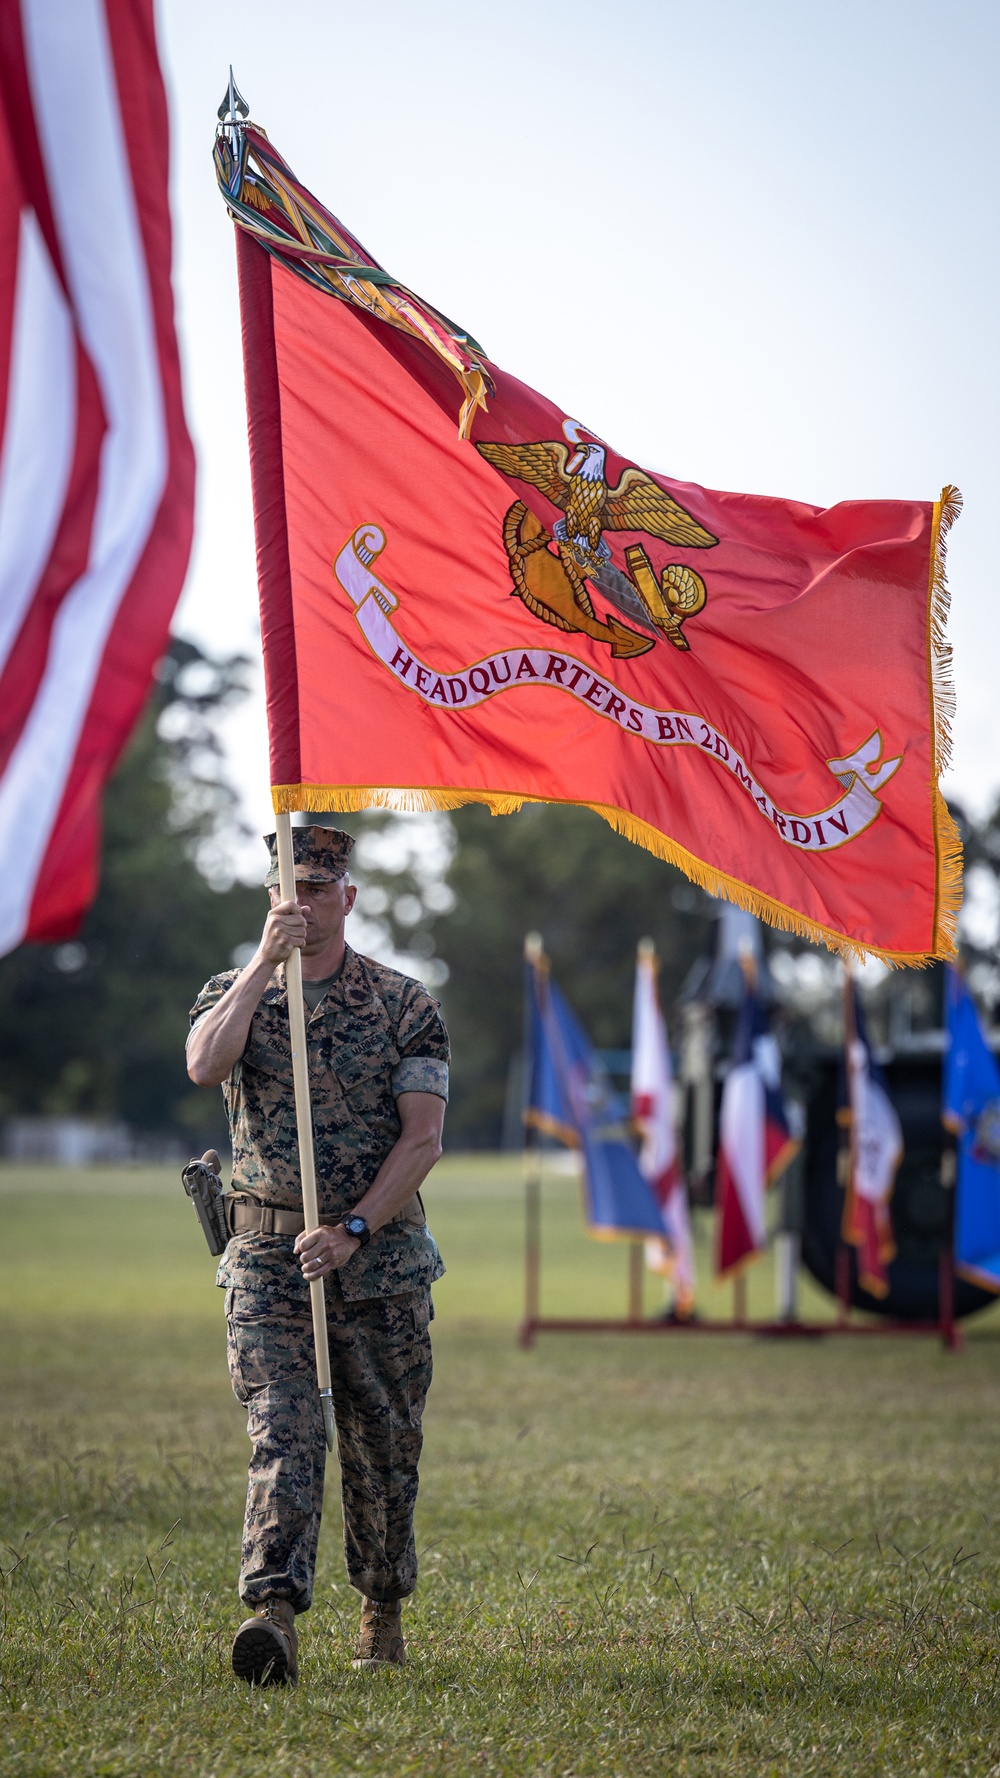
{"x":860,"y":774}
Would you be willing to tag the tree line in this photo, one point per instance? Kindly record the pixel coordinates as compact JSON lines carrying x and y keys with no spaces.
{"x":96,"y":1027}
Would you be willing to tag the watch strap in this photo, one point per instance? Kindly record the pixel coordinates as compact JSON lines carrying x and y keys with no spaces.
{"x":358,"y":1227}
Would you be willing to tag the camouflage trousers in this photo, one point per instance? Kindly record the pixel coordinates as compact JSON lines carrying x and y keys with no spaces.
{"x":380,"y":1359}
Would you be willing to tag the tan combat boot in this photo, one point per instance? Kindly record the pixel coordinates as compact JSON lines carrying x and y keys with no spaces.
{"x":266,"y":1647}
{"x":380,"y":1640}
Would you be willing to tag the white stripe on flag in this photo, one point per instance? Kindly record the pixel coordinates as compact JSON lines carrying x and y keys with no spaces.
{"x":741,"y":1134}
{"x":79,"y":125}
{"x":652,"y":1089}
{"x":876,"y":1133}
{"x":37,"y":458}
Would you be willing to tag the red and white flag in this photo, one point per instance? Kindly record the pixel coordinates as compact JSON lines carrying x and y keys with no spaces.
{"x":653,"y":1112}
{"x":875,"y":1154}
{"x":755,"y":1142}
{"x":96,"y":467}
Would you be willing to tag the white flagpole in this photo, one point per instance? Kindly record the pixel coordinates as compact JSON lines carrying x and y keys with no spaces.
{"x":303,"y":1120}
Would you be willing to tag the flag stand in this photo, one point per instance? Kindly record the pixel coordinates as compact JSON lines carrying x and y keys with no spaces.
{"x":532,"y":1229}
{"x":635,"y":1259}
{"x":555,"y":1117}
{"x":842,"y":1283}
{"x":303,"y":1121}
{"x":535,"y":1323}
{"x":950,"y":1334}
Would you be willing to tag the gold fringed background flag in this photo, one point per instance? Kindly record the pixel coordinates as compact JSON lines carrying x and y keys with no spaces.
{"x":467,"y":596}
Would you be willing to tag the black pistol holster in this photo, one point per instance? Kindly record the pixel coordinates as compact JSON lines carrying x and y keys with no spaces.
{"x":201,"y":1181}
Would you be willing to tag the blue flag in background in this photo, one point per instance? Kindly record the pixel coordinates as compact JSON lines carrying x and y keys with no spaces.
{"x":971,"y":1107}
{"x":570,"y":1096}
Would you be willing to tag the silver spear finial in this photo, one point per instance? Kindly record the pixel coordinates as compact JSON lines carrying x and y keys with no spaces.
{"x":234,"y":107}
{"x":229,"y":139}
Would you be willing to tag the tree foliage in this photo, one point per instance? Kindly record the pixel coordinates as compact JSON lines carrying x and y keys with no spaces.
{"x":96,"y":1027}
{"x":592,"y":895}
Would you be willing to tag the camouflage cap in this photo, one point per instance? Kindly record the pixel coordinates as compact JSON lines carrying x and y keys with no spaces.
{"x":321,"y":854}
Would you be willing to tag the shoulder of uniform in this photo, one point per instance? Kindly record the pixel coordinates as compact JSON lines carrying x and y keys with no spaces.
{"x":221,"y":982}
{"x":211,"y":993}
{"x":391,"y":985}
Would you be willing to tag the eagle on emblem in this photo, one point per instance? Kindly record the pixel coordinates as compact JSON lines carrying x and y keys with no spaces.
{"x":578,"y":485}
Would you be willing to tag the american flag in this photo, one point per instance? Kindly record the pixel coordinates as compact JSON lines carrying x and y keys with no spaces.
{"x":96,"y":466}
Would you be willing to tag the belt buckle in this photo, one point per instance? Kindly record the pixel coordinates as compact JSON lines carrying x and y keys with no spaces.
{"x":235,"y":1201}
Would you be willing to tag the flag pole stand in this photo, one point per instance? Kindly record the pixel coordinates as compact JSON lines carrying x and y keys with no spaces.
{"x":842,"y":1283}
{"x":786,"y":1323}
{"x":635,"y":1282}
{"x":303,"y":1121}
{"x":951,"y":1336}
{"x":532,"y":1237}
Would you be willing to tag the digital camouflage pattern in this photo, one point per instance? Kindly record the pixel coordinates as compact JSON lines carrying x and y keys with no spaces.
{"x":380,"y":1355}
{"x":320,"y":854}
{"x":375,"y":1034}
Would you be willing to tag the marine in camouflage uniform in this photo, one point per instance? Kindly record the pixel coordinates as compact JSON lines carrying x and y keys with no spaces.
{"x":373,"y":1036}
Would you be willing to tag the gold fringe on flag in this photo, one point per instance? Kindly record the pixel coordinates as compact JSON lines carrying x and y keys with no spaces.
{"x":414,"y":800}
{"x":947,"y":843}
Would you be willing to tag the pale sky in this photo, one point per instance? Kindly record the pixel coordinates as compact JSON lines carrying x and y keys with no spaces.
{"x":751,"y":242}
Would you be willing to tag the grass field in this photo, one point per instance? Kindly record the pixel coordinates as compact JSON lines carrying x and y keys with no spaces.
{"x":682,"y":1556}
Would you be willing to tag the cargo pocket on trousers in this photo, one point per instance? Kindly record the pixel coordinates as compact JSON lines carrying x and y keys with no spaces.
{"x":249,"y":1345}
{"x":418,"y":1379}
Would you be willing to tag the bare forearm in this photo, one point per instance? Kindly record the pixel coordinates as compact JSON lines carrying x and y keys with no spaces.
{"x":401,"y":1174}
{"x":219,"y":1039}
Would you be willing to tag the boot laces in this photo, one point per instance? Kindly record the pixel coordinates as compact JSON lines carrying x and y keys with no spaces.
{"x":380,"y":1622}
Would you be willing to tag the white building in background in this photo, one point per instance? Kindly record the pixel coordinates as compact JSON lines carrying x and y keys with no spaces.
{"x":81,"y":1142}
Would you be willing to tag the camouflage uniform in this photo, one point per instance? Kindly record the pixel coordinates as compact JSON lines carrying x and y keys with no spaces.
{"x":374,"y":1035}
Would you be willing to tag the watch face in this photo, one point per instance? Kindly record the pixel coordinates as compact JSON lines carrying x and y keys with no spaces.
{"x":355,"y":1225}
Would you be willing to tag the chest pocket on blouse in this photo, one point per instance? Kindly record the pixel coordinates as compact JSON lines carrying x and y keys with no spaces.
{"x":268,"y":1050}
{"x":362,"y":1055}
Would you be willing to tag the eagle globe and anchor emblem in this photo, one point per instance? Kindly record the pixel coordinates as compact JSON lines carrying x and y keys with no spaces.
{"x":553,"y":581}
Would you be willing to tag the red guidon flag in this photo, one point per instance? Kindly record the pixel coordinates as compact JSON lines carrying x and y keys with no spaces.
{"x":467,"y":595}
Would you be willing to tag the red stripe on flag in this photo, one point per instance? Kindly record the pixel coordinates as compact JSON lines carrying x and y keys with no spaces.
{"x":19,"y":105}
{"x":274,"y":574}
{"x":23,"y":669}
{"x":735,"y":1242}
{"x":68,"y":875}
{"x":868,"y":1228}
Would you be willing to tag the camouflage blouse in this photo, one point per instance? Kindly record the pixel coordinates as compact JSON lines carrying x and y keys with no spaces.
{"x":374,"y":1035}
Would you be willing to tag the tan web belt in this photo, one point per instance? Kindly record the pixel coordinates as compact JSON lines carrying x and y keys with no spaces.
{"x":248,"y":1216}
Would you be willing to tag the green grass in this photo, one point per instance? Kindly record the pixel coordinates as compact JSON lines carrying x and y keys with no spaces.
{"x":639,"y":1556}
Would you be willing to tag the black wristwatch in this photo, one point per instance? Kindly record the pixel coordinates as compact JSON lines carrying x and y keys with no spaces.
{"x":357,"y":1226}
